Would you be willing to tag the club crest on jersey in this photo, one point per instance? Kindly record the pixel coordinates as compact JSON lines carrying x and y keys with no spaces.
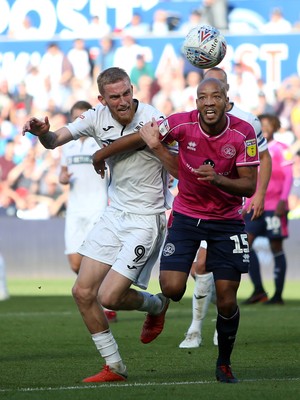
{"x":251,"y":147}
{"x":169,"y":249}
{"x":228,"y":151}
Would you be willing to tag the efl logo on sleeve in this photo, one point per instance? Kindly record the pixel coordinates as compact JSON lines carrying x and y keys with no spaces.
{"x":251,"y":147}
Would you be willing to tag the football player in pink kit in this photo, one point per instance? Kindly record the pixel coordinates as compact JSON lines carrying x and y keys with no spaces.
{"x":273,"y":222}
{"x":217,"y":167}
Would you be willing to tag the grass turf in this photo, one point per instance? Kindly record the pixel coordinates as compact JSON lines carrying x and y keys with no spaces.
{"x":46,"y":350}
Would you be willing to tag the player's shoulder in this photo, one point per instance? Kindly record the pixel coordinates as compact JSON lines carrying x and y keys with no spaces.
{"x":246,"y":116}
{"x":148,"y":110}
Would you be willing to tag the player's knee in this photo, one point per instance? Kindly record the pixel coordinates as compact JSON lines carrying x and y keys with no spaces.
{"x":110,"y":302}
{"x":173,"y":291}
{"x":226,"y":307}
{"x":82,"y":295}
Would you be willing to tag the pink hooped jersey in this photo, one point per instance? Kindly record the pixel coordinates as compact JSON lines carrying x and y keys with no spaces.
{"x":235,"y":147}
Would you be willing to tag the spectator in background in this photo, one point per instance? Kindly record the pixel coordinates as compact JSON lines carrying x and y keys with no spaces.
{"x":22,"y":99}
{"x":263,"y":107}
{"x":160,"y":26}
{"x":273,"y":222}
{"x":58,"y":73}
{"x":80,"y":61}
{"x":216,"y":13}
{"x":36,"y":87}
{"x":106,"y":55}
{"x":137,"y":27}
{"x":127,"y":53}
{"x":141,"y":68}
{"x":7,"y":160}
{"x":6,"y":102}
{"x":96,"y":29}
{"x":189,"y":94}
{"x":195,"y":18}
{"x":277,"y":23}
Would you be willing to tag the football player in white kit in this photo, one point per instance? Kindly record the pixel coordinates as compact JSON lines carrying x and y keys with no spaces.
{"x":85,"y":186}
{"x":123,"y":246}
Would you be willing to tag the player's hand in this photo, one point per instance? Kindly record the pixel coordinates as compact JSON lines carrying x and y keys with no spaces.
{"x":281,"y":208}
{"x":99,"y":164}
{"x":206,"y":173}
{"x":65,"y":177}
{"x":150,"y":134}
{"x":36,"y":126}
{"x":256,"y":205}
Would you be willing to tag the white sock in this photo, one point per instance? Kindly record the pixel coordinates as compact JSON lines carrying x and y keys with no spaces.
{"x":203,"y":289}
{"x":3,"y":284}
{"x":152,"y":303}
{"x":108,"y":348}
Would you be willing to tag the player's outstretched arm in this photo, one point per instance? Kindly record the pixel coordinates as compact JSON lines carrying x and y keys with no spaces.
{"x":41,"y":129}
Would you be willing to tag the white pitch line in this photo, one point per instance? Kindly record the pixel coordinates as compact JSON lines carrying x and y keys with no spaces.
{"x":112,"y":385}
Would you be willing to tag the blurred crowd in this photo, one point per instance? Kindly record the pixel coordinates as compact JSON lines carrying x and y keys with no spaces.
{"x":29,"y":186}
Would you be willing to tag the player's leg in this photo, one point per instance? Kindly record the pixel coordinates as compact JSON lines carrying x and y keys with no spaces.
{"x":202,"y":295}
{"x":85,"y":293}
{"x":227,"y":327}
{"x":255,"y":228}
{"x":279,"y":270}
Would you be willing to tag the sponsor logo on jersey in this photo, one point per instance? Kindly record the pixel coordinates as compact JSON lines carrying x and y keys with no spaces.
{"x":228,"y":151}
{"x":191,"y":146}
{"x":80,"y":159}
{"x":209,"y":162}
{"x":251,"y":147}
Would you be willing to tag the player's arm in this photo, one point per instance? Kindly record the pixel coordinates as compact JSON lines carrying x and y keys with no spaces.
{"x":282,"y":206}
{"x":126,"y":143}
{"x":150,"y":134}
{"x":41,"y":129}
{"x":257,"y":203}
{"x":243,"y":186}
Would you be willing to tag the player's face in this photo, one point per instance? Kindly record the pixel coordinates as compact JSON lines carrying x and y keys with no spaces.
{"x":118,"y":97}
{"x":267,"y":128}
{"x":211,"y":104}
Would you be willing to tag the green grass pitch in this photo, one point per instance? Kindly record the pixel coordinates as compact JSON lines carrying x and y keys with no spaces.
{"x":46,"y":350}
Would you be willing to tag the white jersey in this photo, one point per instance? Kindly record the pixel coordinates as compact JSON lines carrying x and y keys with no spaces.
{"x":138,"y":180}
{"x":255,"y":122}
{"x":88,"y":192}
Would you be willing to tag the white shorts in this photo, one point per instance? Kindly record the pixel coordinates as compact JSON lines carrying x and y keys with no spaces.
{"x":130,"y":243}
{"x":77,"y":226}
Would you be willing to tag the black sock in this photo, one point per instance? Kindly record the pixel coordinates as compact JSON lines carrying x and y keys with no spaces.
{"x":279,"y":273}
{"x":254,"y":272}
{"x":227,"y":329}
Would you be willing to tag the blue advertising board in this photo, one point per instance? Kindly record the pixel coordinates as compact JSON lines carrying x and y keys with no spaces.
{"x":273,"y":57}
